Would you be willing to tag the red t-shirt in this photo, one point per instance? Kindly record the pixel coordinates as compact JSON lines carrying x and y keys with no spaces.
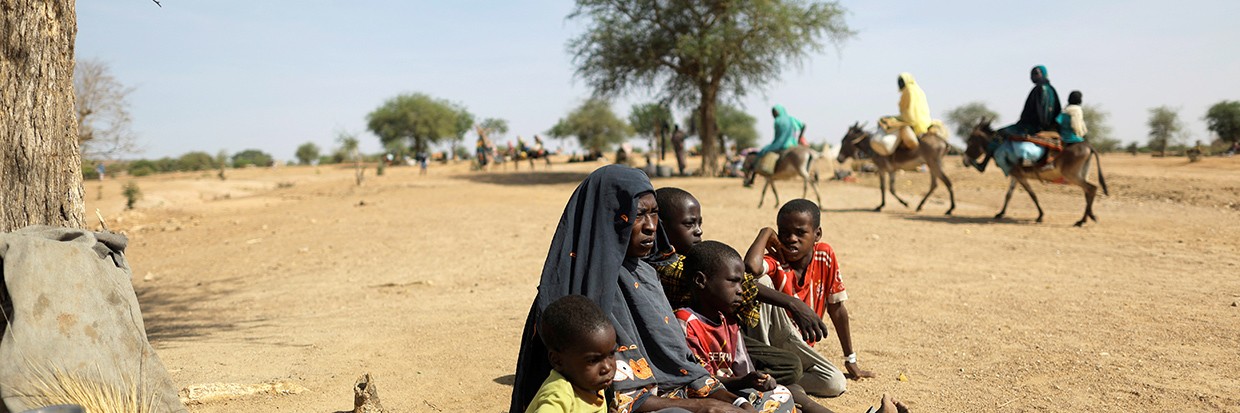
{"x":719,"y":347}
{"x":821,"y":285}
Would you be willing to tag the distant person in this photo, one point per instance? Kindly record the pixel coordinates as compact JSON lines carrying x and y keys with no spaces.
{"x":1041,"y":108}
{"x":423,"y":159}
{"x":788,"y":130}
{"x":581,"y":346}
{"x":1072,"y":120}
{"x":678,"y":146}
{"x":914,"y":119}
{"x":795,"y":262}
{"x":100,"y":170}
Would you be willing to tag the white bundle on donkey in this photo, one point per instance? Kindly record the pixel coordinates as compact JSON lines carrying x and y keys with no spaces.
{"x":73,"y":333}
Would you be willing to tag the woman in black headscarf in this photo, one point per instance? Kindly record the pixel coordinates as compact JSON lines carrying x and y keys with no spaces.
{"x":610,"y":224}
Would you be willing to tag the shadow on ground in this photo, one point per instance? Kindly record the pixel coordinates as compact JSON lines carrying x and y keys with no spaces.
{"x":525,"y":178}
{"x":956,"y":219}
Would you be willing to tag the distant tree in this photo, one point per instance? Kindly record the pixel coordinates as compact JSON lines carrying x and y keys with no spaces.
{"x":1100,"y":135}
{"x":594,"y":124}
{"x":253,"y":157}
{"x":464,"y":122}
{"x":349,"y":145}
{"x":416,"y":118}
{"x":1132,"y":148}
{"x":1165,"y":128}
{"x":733,"y":124}
{"x":195,"y":161}
{"x":697,"y":53}
{"x":651,"y":120}
{"x":1223,"y":119}
{"x":102,"y":112}
{"x":966,"y":116}
{"x":221,"y":162}
{"x":307,"y":153}
{"x":494,"y":127}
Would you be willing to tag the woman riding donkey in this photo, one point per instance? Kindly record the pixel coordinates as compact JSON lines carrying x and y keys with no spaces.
{"x":1041,"y":114}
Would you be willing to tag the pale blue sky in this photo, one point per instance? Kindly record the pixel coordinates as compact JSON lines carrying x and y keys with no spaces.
{"x":228,"y":74}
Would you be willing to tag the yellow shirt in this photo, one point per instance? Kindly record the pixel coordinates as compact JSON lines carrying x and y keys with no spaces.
{"x":557,"y":395}
{"x":914,"y":110}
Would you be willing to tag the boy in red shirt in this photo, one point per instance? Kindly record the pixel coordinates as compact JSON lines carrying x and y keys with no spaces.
{"x":800,"y":267}
{"x":713,"y":332}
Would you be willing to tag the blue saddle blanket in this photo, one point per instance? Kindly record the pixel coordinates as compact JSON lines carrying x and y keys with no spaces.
{"x":1012,"y":154}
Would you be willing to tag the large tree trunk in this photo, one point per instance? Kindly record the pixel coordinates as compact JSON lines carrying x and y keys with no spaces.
{"x":707,"y":131}
{"x":40,"y":167}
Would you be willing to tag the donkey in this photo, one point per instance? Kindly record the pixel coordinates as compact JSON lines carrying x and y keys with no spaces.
{"x":931,"y":151}
{"x":1072,"y":165}
{"x":797,"y":161}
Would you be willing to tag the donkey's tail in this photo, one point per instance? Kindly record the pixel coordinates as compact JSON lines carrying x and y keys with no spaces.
{"x":1101,"y":181}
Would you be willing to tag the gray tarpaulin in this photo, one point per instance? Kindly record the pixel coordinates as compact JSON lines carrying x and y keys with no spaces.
{"x":71,"y":315}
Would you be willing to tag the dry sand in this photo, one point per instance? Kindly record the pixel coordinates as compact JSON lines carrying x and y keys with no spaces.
{"x":293,"y":274}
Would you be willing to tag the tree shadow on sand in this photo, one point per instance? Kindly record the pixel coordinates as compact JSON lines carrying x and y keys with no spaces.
{"x":525,"y":178}
{"x":171,"y":316}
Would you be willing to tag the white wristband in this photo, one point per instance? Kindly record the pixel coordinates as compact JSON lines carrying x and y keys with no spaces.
{"x":851,"y":358}
{"x":740,"y":401}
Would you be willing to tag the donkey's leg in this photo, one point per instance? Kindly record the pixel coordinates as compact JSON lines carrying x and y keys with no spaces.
{"x":814,"y":185}
{"x":1024,"y":183}
{"x":1091,"y":191}
{"x":771,"y":182}
{"x":934,"y":184}
{"x":891,"y":177}
{"x":951,"y":194}
{"x":882,"y":190}
{"x":763,"y":198}
{"x":1007,"y":199}
{"x":804,"y":185}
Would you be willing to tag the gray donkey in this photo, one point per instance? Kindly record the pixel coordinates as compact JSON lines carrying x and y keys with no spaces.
{"x":930,"y":152}
{"x":795,"y":162}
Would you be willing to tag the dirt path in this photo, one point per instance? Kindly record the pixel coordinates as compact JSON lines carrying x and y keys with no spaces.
{"x":293,"y":274}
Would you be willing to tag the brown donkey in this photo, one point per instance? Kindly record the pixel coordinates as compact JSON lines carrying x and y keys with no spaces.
{"x":1072,"y":165}
{"x":795,"y":162}
{"x":931,"y":151}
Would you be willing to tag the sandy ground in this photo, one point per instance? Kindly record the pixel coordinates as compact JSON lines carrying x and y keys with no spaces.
{"x":294,"y":274}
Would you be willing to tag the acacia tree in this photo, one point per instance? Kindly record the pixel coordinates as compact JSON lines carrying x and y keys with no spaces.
{"x":966,"y":116}
{"x":696,"y":53}
{"x":651,"y":120}
{"x":1165,"y":128}
{"x":494,"y":127}
{"x":349,"y":146}
{"x":1223,"y":119}
{"x":733,"y":124}
{"x":594,"y":124}
{"x":306,"y":153}
{"x":40,"y":166}
{"x":102,"y":112}
{"x":417,"y":118}
{"x":1100,"y":135}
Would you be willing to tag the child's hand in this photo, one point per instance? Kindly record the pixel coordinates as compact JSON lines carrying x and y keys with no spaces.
{"x":856,"y":373}
{"x":773,"y":246}
{"x":759,"y":381}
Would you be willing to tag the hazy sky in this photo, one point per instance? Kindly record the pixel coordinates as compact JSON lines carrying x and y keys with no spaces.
{"x":227,"y":74}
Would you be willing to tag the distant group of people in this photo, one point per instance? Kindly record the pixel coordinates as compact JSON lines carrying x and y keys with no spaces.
{"x":636,"y":313}
{"x":486,"y":153}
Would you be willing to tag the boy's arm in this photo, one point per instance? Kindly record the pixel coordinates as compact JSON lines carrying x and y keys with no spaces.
{"x":758,"y":250}
{"x":812,"y":327}
{"x":839,"y":318}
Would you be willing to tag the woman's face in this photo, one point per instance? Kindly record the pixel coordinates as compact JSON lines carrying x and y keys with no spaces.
{"x":645,"y":223}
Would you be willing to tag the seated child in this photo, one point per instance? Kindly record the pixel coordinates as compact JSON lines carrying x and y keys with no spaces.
{"x":713,"y":334}
{"x":1072,"y":120}
{"x":680,"y":214}
{"x":581,"y":346}
{"x":794,"y":262}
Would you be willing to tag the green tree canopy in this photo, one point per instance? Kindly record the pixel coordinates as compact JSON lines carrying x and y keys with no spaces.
{"x":966,"y":116}
{"x":252,"y":157}
{"x":307,"y":153}
{"x":494,"y":127}
{"x":196,"y":161}
{"x":649,"y":119}
{"x":1165,"y":128}
{"x":1223,"y":119}
{"x":419,"y":119}
{"x":733,"y":124}
{"x":594,"y":124}
{"x":1100,"y":135}
{"x":695,"y":53}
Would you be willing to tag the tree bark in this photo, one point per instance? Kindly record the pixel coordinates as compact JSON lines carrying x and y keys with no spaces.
{"x":708,"y":129}
{"x":40,"y":167}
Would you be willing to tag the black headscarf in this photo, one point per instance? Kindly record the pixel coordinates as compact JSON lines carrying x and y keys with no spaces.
{"x":585,"y":258}
{"x":1042,"y":106}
